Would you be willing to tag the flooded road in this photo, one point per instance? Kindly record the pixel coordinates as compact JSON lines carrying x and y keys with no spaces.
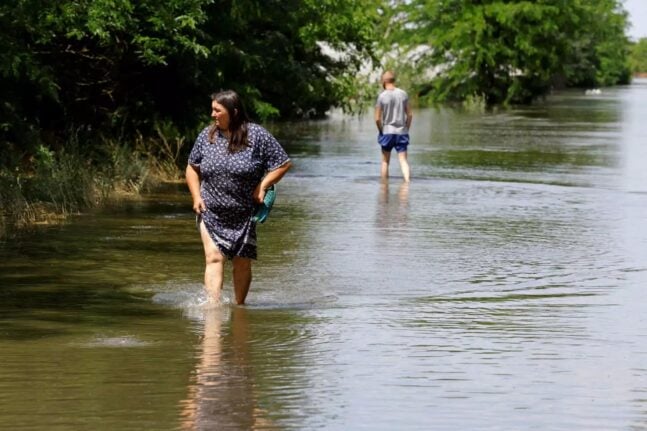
{"x":502,"y":289}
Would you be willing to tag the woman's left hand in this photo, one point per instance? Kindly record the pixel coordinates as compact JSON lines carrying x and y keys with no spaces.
{"x":269,"y":180}
{"x":259,"y":193}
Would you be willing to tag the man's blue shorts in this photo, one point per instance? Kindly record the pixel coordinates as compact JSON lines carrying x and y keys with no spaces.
{"x":390,"y":141}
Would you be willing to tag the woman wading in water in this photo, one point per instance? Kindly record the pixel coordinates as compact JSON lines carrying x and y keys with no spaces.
{"x":232,"y":163}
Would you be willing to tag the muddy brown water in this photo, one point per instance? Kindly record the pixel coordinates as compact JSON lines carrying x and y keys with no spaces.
{"x":504,"y":288}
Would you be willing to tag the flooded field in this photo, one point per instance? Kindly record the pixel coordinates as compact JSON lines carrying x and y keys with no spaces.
{"x":502,"y":289}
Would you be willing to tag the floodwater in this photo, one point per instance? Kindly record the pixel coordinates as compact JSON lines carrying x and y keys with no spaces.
{"x":503,"y":289}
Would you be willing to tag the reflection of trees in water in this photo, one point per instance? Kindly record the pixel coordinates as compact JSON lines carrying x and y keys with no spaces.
{"x":393,"y":211}
{"x":222,"y":396}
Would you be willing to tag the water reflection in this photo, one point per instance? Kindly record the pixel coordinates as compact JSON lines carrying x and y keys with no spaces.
{"x":393,"y":209}
{"x":223,"y":394}
{"x":634,"y":138}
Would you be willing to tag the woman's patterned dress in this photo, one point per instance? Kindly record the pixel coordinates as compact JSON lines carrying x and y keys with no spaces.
{"x":227,"y":181}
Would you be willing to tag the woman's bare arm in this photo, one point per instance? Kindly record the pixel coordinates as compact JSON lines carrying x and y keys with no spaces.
{"x":193,"y":181}
{"x":270,"y":179}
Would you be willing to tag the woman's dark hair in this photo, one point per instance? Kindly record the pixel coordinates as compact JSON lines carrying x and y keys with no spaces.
{"x":238,"y":119}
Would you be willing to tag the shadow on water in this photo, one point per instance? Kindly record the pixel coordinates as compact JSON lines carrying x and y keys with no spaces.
{"x":32,"y":313}
{"x":89,"y":276}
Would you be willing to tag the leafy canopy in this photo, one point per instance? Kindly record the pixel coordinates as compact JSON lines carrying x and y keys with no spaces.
{"x":118,"y":68}
{"x":509,"y":51}
{"x":638,"y":56}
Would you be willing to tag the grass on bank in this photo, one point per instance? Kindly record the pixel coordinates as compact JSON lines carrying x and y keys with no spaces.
{"x":55,"y":184}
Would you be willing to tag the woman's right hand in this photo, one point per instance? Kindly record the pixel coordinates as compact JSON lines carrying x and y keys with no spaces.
{"x":193,"y":181}
{"x":198,"y":206}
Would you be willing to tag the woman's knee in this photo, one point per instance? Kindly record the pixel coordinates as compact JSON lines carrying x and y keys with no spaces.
{"x":213,"y":255}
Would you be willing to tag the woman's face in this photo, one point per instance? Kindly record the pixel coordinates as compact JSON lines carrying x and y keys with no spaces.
{"x":220,"y":115}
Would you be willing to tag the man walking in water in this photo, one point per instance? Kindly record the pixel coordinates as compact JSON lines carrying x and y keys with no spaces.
{"x":393,"y":118}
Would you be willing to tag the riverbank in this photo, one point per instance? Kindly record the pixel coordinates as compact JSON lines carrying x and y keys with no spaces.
{"x":58,"y":185}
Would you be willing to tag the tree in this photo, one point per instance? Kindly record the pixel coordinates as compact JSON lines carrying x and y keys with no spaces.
{"x":638,"y":56}
{"x":510,"y":51}
{"x":89,"y":64}
{"x":117,"y":68}
{"x":291,"y":58}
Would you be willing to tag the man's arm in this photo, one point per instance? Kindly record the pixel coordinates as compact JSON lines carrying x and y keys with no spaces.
{"x":409,"y":115}
{"x":378,"y":118}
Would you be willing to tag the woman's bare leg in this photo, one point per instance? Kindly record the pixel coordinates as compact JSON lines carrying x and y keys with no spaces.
{"x":242,"y":276}
{"x":404,"y":166}
{"x":215,"y":264}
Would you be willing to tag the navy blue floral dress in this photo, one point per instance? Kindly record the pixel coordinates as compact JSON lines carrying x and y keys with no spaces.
{"x":227,"y":182}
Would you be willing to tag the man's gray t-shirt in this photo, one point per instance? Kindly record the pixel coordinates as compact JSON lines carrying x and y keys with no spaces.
{"x":394,"y":111}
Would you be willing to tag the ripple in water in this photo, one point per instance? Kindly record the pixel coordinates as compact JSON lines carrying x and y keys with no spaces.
{"x":121,"y":341}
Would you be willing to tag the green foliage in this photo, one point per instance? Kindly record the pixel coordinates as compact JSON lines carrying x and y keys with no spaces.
{"x":106,"y":71}
{"x":600,"y":48}
{"x":164,"y":153}
{"x":287,"y":57}
{"x":474,"y":103}
{"x":127,"y":170}
{"x":638,"y":56}
{"x":12,"y":202}
{"x":96,"y":64}
{"x":64,"y":182}
{"x":60,"y":179}
{"x":123,"y":66}
{"x":509,"y":51}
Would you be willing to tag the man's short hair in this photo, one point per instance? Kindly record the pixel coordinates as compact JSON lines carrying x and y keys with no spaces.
{"x":388,"y":77}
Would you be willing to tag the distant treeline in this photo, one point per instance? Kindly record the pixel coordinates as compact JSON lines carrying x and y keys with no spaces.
{"x":114,"y":89}
{"x":638,"y":56}
{"x":509,"y":51}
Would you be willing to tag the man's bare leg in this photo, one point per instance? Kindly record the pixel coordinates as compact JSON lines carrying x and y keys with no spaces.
{"x":404,"y":166}
{"x":215,"y":263}
{"x":384,"y":170}
{"x":242,"y":276}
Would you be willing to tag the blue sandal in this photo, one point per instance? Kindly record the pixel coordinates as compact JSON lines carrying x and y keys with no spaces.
{"x":264,"y":209}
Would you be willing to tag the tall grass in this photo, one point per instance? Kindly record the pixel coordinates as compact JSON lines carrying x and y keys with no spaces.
{"x":53,"y":185}
{"x":163,"y":153}
{"x":475,"y":103}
